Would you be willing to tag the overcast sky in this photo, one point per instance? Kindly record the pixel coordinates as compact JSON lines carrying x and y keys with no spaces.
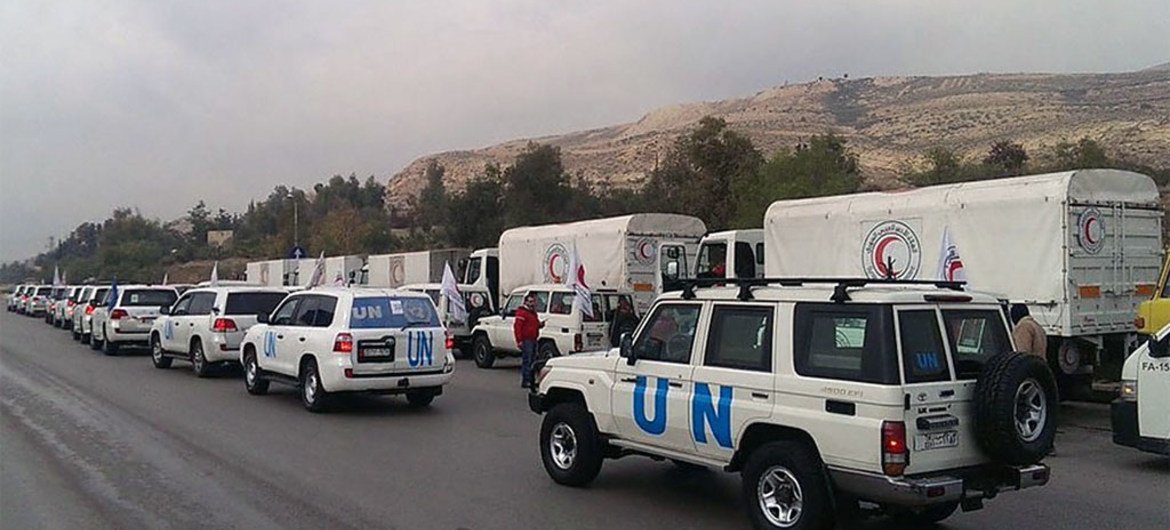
{"x":157,"y":104}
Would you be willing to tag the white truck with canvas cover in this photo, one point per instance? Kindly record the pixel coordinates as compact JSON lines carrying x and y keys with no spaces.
{"x":271,"y":273}
{"x":482,"y":270}
{"x":832,"y":399}
{"x":343,"y":270}
{"x":425,"y":266}
{"x":1082,"y":249}
{"x":641,"y":253}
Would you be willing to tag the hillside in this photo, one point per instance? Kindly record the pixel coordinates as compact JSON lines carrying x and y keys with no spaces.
{"x":888,"y":121}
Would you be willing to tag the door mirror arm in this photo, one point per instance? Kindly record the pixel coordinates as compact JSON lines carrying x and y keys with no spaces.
{"x":626,"y":346}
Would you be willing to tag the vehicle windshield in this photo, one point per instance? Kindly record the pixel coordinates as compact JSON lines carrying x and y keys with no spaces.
{"x":392,"y":312}
{"x":44,"y":291}
{"x":252,"y":303}
{"x":148,"y":297}
{"x":473,"y":267}
{"x":100,"y":295}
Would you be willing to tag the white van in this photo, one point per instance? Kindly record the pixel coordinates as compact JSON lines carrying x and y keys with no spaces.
{"x":1141,"y":416}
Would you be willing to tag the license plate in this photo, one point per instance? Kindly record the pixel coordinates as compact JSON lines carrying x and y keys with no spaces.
{"x":146,"y":319}
{"x":376,"y":354}
{"x":936,"y":440}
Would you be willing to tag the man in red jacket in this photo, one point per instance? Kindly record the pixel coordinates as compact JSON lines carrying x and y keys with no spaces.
{"x":527,"y":331}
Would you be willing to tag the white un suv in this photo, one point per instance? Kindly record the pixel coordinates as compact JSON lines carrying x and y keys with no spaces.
{"x":127,"y":314}
{"x":331,"y":340}
{"x":852,"y":398}
{"x":207,"y":324}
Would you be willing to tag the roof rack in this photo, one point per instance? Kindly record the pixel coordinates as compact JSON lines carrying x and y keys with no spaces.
{"x":840,"y":291}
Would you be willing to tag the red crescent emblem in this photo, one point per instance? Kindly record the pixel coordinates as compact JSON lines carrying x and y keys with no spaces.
{"x":1089,"y":230}
{"x":953,"y":267}
{"x":879,"y":255}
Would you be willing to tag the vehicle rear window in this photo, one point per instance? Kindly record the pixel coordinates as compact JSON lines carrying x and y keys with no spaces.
{"x":99,"y":295}
{"x":392,"y":312}
{"x":252,"y":303}
{"x":923,"y":353}
{"x":148,"y":297}
{"x":848,"y":343}
{"x":44,"y":291}
{"x":561,"y":303}
{"x":975,"y":336}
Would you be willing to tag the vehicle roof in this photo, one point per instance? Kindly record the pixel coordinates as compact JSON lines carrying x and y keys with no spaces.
{"x":462,"y":286}
{"x":361,"y":291}
{"x":144,"y":286}
{"x":725,"y":233}
{"x":884,"y":294}
{"x":238,"y":289}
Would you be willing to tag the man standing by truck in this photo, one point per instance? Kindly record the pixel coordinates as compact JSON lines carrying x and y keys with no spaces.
{"x":527,"y":330}
{"x":1027,"y":333}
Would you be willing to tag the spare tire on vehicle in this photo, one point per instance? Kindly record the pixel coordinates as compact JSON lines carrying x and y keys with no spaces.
{"x":1015,"y":408}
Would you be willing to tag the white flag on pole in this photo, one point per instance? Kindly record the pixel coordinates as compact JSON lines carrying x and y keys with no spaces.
{"x":318,"y":276}
{"x":166,"y":277}
{"x":214,"y":275}
{"x":56,"y":277}
{"x":450,"y":290}
{"x":950,"y":265}
{"x":576,"y":279}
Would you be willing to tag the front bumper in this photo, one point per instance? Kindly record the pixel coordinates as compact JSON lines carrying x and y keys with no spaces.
{"x":1124,"y":418}
{"x":982,"y":483}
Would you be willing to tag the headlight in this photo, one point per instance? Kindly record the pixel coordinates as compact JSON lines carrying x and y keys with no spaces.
{"x":1129,"y":390}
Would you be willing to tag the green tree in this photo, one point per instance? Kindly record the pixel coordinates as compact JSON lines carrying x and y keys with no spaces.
{"x":701,"y":171}
{"x":474,"y":218}
{"x":1007,"y":156}
{"x":823,"y":166}
{"x":432,"y":201}
{"x":536,"y":188}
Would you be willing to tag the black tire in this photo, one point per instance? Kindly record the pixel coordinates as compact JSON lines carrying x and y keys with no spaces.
{"x":199,"y":363}
{"x":158,"y":355}
{"x":109,"y":347}
{"x":576,"y":459}
{"x":254,"y":381}
{"x":76,"y":335}
{"x":420,"y":398}
{"x":544,"y":351}
{"x":787,"y":468}
{"x":313,"y":393}
{"x":482,"y":351}
{"x":87,"y":338}
{"x":925,"y":516}
{"x":94,"y":343}
{"x":1011,"y":385}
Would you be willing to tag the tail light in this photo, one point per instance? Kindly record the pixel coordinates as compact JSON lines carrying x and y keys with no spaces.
{"x":70,"y":303}
{"x":89,"y":310}
{"x":577,"y":344}
{"x":895,"y":454}
{"x":224,"y":325}
{"x":450,"y":342}
{"x":343,"y":343}
{"x":118,"y":314}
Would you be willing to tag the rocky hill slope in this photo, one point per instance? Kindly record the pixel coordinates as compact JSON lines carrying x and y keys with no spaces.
{"x":888,"y":121}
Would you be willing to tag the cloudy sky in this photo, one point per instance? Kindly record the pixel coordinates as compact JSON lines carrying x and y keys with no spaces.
{"x":157,"y":104}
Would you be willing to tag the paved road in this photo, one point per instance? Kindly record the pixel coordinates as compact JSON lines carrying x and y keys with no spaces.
{"x":110,"y":442}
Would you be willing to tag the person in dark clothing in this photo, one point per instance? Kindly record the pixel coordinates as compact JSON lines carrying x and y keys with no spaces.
{"x":527,"y":330}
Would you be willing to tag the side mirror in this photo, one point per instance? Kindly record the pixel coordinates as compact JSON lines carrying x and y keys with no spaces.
{"x":215,"y":310}
{"x":626,"y":346}
{"x":262,"y":318}
{"x":164,"y":310}
{"x":1160,"y":349}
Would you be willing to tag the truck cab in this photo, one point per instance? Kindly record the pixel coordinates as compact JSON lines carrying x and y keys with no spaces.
{"x":1139,"y":415}
{"x":483,"y":270}
{"x":1154,"y":314}
{"x":731,"y":254}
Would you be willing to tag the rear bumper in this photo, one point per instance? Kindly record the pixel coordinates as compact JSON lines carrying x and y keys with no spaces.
{"x":395,"y":383}
{"x":1124,"y":418}
{"x":982,"y":483}
{"x":122,"y":336}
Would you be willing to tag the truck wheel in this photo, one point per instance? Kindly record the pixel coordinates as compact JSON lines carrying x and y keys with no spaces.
{"x":198,"y":359}
{"x":254,"y":381}
{"x":784,"y":487}
{"x":313,"y":393}
{"x":569,"y":445}
{"x":420,"y":398}
{"x":1015,"y":409}
{"x":545,"y":351}
{"x":925,"y":516}
{"x":482,"y":349}
{"x":157,"y":356}
{"x":109,"y":347}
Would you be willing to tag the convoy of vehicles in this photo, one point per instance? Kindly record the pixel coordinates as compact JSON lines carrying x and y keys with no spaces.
{"x":1082,"y":249}
{"x":839,"y":379}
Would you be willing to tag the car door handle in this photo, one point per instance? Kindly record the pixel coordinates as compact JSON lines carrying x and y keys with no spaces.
{"x":629,"y":379}
{"x":280,"y":337}
{"x":759,"y":395}
{"x":675,"y":384}
{"x":302,"y":339}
